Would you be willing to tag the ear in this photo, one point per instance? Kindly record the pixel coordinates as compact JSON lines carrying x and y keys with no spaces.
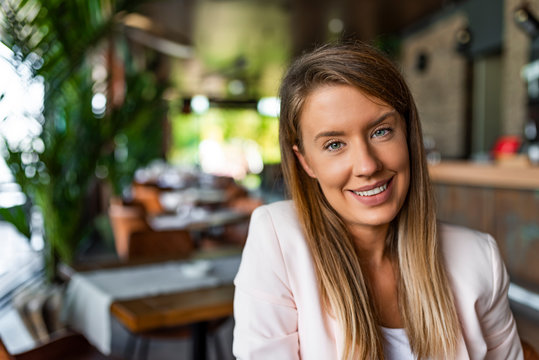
{"x":303,"y":162}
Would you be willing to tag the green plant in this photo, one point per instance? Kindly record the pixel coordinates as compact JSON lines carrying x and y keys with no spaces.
{"x":61,"y":42}
{"x":16,"y":215}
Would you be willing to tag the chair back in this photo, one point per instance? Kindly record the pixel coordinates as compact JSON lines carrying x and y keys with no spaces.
{"x":4,"y":354}
{"x":148,"y":196}
{"x":529,"y":351}
{"x":134,"y":238}
{"x":72,"y":346}
{"x":160,"y":244}
{"x":126,"y":220}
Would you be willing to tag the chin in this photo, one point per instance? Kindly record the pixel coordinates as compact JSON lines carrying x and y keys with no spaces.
{"x":373,"y":220}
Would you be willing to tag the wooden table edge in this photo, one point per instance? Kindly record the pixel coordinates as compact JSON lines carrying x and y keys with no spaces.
{"x":221,"y":305}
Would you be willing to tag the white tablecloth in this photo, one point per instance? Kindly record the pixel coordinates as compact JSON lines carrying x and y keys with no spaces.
{"x":90,"y":294}
{"x":196,"y":216}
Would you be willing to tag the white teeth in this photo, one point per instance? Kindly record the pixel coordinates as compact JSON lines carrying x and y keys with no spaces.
{"x":376,"y":190}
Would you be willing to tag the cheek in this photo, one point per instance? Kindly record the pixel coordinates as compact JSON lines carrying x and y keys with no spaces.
{"x":332,"y":173}
{"x":404,"y":161}
{"x":403,"y":165}
{"x":397,"y":159}
{"x":401,"y":159}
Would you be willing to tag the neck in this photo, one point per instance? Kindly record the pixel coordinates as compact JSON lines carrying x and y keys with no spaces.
{"x":370,"y":244}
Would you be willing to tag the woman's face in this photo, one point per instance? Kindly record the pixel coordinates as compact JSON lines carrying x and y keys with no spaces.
{"x":355,"y":146}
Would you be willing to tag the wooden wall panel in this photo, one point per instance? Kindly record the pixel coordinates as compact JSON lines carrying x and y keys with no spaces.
{"x":511,"y":216}
{"x":517,"y":231}
{"x":465,"y":205}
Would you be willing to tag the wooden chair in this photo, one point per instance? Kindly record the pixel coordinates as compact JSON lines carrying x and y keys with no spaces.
{"x":134,"y":238}
{"x":68,"y":346}
{"x":176,"y":333}
{"x":148,"y":196}
{"x":236,"y":234}
{"x":529,"y":351}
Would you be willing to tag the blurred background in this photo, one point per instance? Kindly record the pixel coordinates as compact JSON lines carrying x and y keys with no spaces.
{"x":171,"y":104}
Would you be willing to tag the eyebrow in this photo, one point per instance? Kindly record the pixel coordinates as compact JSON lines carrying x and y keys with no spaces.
{"x":325,"y":134}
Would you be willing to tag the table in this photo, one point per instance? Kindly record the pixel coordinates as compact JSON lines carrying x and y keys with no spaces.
{"x":193,"y":307}
{"x":173,"y":295}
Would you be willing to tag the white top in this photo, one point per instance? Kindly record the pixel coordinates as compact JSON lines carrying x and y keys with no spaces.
{"x":396,"y":345}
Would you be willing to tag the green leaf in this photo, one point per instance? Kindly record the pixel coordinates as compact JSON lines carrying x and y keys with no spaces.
{"x":18,"y":217}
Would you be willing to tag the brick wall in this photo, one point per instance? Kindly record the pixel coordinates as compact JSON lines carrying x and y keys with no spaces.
{"x":439,"y":89}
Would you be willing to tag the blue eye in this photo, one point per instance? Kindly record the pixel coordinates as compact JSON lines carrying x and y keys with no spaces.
{"x":381,"y":132}
{"x":335,"y":145}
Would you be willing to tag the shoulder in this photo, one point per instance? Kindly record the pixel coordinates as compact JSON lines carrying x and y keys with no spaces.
{"x":473,"y":262}
{"x":276,"y":226}
{"x":457,"y":241}
{"x":274,"y":244}
{"x":464,"y":248}
{"x":278,"y":219}
{"x":480,"y":283}
{"x":269,"y":221}
{"x":280,"y":211}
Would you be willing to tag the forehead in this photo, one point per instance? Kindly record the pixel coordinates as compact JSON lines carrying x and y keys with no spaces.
{"x":334,"y":105}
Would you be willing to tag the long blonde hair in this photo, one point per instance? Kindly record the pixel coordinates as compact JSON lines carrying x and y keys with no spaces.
{"x":425,"y":298}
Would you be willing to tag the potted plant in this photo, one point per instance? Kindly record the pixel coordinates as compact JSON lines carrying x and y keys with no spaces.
{"x":95,"y":127}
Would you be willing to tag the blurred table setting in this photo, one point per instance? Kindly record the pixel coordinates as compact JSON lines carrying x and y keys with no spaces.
{"x":172,"y":210}
{"x":194,"y":219}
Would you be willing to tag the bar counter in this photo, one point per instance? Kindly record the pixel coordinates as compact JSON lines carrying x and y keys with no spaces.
{"x":486,"y":175}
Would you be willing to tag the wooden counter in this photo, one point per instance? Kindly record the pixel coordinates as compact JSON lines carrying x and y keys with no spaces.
{"x":485,"y":175}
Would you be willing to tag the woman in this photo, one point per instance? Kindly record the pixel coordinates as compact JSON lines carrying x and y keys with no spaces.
{"x":355,"y":266}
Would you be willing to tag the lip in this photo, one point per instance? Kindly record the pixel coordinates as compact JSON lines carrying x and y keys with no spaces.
{"x":377,"y":199}
{"x":375,"y":185}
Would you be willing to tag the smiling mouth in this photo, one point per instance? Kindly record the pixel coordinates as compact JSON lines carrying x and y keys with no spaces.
{"x":372,"y":192}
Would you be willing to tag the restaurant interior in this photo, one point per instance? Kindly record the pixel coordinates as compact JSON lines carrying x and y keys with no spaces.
{"x":140,"y":135}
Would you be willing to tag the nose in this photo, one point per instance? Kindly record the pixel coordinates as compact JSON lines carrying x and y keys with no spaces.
{"x":365,"y":161}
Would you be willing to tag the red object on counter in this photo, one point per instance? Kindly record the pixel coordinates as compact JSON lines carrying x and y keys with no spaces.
{"x":506,"y":145}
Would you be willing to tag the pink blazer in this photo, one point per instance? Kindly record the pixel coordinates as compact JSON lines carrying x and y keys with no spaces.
{"x":279,"y":315}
